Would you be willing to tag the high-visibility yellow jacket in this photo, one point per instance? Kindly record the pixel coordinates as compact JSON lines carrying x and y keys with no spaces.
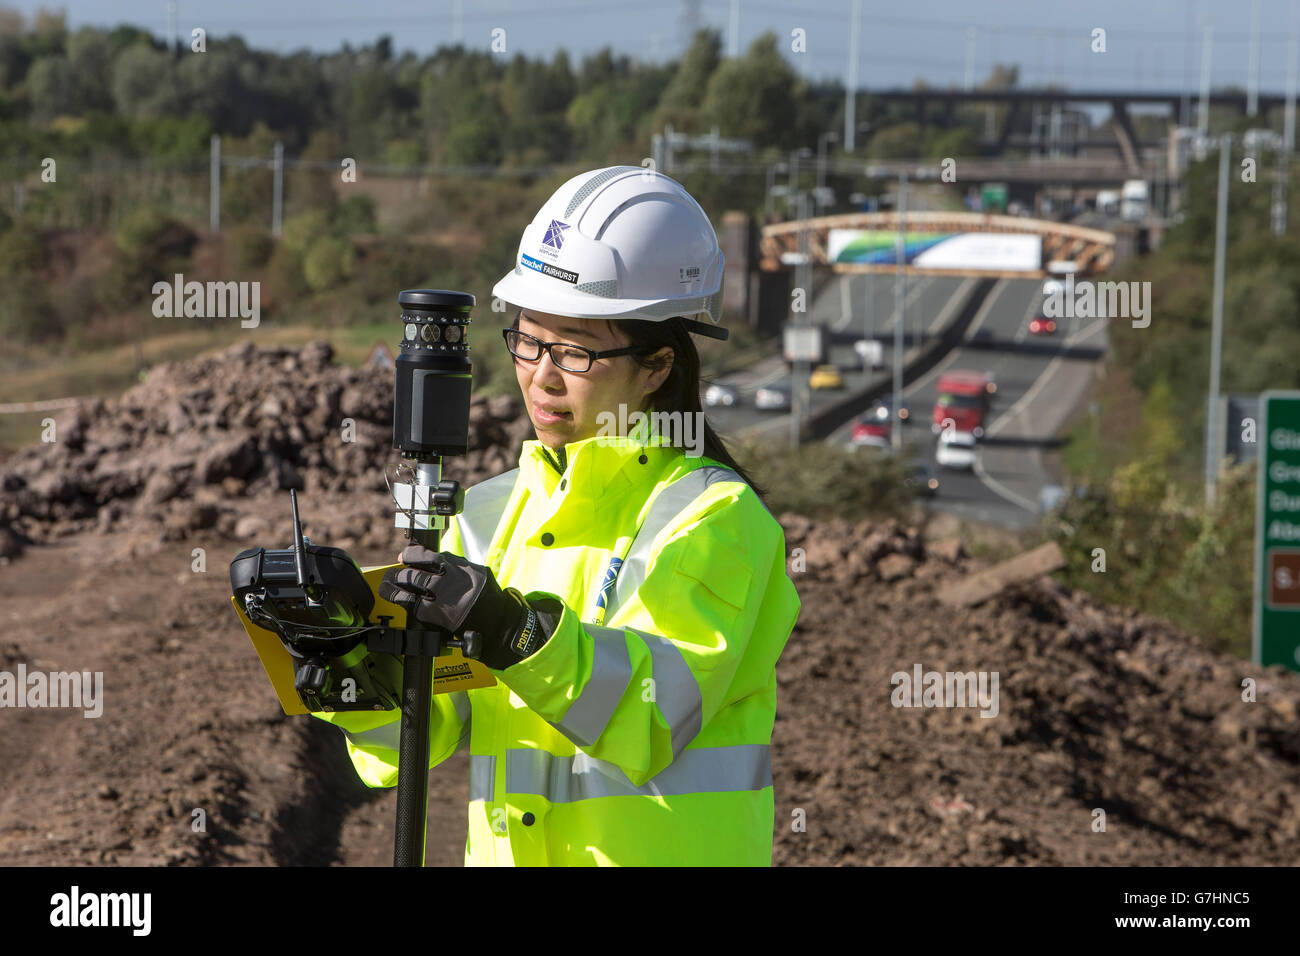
{"x":640,"y":733}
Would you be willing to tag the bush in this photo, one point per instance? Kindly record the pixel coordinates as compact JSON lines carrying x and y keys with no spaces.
{"x":284,"y":278}
{"x":122,"y":285}
{"x":25,"y":311}
{"x":1166,"y":553}
{"x":825,"y":481}
{"x":251,"y":247}
{"x":355,"y":214}
{"x":140,"y":228}
{"x":22,"y":252}
{"x":328,"y":261}
{"x":305,"y":228}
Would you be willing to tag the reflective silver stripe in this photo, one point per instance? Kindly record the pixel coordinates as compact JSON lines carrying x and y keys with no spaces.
{"x":460,"y":700}
{"x":676,"y":692}
{"x":580,"y":777}
{"x":611,"y":672}
{"x":385,"y":735}
{"x":667,"y":505}
{"x":484,"y":505}
{"x":482,"y":777}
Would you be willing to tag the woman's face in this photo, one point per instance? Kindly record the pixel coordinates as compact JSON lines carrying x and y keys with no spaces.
{"x":564,"y":405}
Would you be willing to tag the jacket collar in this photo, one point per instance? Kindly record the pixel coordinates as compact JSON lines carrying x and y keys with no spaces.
{"x":594,"y":467}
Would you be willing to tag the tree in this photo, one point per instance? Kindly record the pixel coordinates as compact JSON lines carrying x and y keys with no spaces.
{"x":689,"y":87}
{"x":757,"y":97}
{"x":144,"y":84}
{"x":90,"y":53}
{"x":52,"y":88}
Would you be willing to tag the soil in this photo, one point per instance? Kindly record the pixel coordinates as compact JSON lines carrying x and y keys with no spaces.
{"x":1099,"y":709}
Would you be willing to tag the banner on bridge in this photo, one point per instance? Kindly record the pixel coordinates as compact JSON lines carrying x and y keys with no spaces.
{"x":985,"y":251}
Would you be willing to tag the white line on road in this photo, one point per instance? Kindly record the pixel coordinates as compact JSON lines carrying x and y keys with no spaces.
{"x":1042,"y":379}
{"x":1039,"y":383}
{"x":980,"y":316}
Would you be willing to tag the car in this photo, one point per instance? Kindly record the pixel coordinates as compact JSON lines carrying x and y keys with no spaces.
{"x":882,"y":411}
{"x":1042,"y":325}
{"x":724,"y":395}
{"x":981,"y":339}
{"x":920,"y":477}
{"x":773,"y":398}
{"x":871,"y":433}
{"x":825,"y":376}
{"x":955,"y":450}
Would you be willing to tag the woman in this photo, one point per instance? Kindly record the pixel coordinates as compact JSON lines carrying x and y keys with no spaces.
{"x":631,"y":594}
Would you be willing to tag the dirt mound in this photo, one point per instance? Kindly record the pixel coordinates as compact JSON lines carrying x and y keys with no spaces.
{"x":1098,"y":709}
{"x":202,"y":444}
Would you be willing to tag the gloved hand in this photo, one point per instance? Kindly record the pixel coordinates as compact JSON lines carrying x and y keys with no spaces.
{"x":448,"y":592}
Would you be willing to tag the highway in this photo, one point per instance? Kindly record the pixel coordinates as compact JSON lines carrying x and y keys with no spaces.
{"x":848,"y":306}
{"x":1041,"y":381}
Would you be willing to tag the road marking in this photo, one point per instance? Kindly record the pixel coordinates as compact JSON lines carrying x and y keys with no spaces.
{"x":992,"y":483}
{"x":996,"y":486}
{"x":980,"y":316}
{"x":908,"y":300}
{"x":1043,"y":378}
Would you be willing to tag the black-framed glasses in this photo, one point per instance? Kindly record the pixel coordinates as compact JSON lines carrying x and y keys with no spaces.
{"x":571,"y":358}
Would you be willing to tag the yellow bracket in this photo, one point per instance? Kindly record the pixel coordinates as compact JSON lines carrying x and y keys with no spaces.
{"x":451,"y":672}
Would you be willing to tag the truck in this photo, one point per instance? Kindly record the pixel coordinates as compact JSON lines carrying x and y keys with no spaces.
{"x":1107,"y":202}
{"x":963,"y":398}
{"x":871,"y":352}
{"x":1133,"y":200}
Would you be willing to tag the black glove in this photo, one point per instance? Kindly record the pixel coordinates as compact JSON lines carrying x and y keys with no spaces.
{"x":455,"y":595}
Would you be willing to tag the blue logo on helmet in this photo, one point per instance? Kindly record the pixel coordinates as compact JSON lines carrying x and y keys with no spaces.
{"x":555,"y":234}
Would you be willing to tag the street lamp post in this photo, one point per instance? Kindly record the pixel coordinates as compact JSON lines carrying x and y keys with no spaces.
{"x":900,"y":257}
{"x":772,"y":170}
{"x":822,"y":140}
{"x":1216,"y":333}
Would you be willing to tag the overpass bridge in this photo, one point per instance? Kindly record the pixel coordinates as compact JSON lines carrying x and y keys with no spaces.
{"x":1092,"y":249}
{"x":1062,"y":171}
{"x":1016,"y":100}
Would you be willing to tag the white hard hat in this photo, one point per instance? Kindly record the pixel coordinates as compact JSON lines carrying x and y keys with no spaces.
{"x":620,"y":243}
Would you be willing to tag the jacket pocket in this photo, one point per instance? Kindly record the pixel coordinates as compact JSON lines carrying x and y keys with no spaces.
{"x":723,"y":574}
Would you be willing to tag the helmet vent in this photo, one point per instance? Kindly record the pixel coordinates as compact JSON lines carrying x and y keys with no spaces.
{"x":605,"y":288}
{"x":590,"y":185}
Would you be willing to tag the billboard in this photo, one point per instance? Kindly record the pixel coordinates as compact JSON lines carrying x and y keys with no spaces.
{"x":992,"y":251}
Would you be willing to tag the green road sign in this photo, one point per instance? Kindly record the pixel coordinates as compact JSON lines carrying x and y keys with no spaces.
{"x":1277,"y":532}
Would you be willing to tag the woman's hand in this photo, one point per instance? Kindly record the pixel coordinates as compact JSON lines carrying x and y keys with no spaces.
{"x":449,"y":593}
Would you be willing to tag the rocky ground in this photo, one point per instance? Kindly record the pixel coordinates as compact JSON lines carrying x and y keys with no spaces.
{"x":1098,"y":708}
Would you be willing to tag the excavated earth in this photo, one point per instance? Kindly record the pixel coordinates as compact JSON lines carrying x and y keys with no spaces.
{"x":1117,"y":739}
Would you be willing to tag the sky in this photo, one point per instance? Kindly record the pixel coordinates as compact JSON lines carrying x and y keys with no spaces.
{"x":1146,"y":40}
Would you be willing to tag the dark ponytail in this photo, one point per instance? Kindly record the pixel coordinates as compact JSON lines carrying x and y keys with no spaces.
{"x":680,"y":391}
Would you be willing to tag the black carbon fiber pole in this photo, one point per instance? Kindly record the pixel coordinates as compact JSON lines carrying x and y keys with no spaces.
{"x":431,"y":400}
{"x":413,"y":745}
